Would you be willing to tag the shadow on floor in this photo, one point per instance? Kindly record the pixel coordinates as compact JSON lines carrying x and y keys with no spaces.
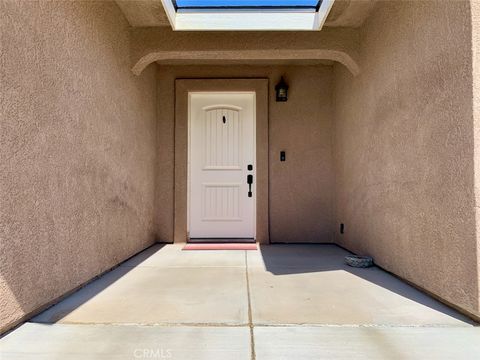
{"x":286,"y":259}
{"x":278,"y":260}
{"x":98,"y":284}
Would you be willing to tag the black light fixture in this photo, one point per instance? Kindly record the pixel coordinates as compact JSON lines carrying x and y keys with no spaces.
{"x":281,"y":90}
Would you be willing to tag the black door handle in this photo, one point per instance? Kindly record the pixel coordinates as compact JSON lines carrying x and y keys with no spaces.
{"x":250,"y":182}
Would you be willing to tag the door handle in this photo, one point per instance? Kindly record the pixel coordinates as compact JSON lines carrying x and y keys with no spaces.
{"x":249,"y":182}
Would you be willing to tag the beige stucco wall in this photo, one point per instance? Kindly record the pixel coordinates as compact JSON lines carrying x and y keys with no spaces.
{"x":403,"y":148}
{"x":81,"y":147}
{"x":77,"y":150}
{"x":150,"y":44}
{"x":301,"y":188}
{"x":475,"y":18}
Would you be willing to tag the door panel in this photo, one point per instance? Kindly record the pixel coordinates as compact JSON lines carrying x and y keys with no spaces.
{"x":221,"y":202}
{"x":222,"y":138}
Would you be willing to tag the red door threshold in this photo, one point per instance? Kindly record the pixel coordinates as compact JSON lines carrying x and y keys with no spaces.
{"x":220,"y":246}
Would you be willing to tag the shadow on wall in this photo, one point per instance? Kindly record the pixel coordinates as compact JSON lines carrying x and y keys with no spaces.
{"x":289,"y":260}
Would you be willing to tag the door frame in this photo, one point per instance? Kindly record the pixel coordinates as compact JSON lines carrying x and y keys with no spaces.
{"x":189,"y":159}
{"x":181,"y":182}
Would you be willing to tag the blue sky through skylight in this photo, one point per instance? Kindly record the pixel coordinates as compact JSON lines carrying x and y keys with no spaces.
{"x":246,"y":3}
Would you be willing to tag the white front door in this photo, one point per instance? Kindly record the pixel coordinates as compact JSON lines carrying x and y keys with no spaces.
{"x":221,"y":163}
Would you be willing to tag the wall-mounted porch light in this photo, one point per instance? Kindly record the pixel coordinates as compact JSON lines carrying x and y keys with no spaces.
{"x":281,"y":90}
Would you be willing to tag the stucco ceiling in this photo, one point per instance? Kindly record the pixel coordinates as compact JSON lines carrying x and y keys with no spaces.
{"x":147,"y":13}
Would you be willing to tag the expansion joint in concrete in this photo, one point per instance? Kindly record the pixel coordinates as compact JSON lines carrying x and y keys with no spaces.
{"x":250,"y":318}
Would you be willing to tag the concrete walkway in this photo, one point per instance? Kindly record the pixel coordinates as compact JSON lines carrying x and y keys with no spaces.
{"x":282,"y":302}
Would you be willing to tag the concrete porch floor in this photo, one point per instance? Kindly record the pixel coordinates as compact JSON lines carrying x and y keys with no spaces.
{"x":281,"y":302}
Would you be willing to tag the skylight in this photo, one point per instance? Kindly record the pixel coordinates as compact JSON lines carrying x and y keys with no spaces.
{"x":247,"y":14}
{"x":248,"y":4}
